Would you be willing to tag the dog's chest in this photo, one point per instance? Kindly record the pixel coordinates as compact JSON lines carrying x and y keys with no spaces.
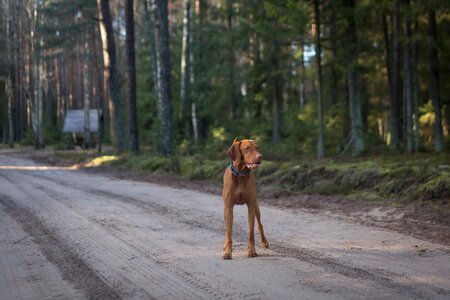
{"x":242,"y":190}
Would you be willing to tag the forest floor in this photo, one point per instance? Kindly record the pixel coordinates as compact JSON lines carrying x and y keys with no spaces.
{"x":72,"y":232}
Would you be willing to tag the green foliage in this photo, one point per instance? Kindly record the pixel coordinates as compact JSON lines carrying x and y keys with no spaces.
{"x":29,"y":138}
{"x":239,"y":50}
{"x":51,"y":133}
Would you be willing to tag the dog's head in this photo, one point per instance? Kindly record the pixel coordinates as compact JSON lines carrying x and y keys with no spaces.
{"x":245,"y":152}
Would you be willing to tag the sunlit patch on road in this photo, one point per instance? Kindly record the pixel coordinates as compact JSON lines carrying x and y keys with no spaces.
{"x":40,"y":168}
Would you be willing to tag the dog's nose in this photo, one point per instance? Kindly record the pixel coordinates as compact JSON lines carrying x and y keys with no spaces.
{"x":258,"y":156}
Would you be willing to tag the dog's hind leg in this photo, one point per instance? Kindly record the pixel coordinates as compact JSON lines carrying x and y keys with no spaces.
{"x":264,"y":242}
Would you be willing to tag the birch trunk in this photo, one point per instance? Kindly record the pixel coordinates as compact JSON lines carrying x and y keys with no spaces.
{"x":185,"y":55}
{"x":194,"y":119}
{"x":194,"y":122}
{"x":157,"y":53}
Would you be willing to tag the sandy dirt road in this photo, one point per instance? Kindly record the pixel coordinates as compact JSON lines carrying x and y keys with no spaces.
{"x":66,"y":234}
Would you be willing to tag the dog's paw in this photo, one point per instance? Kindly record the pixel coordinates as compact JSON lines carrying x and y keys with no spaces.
{"x":252,"y":253}
{"x":251,"y":250}
{"x":227,"y":255}
{"x":265,"y":244}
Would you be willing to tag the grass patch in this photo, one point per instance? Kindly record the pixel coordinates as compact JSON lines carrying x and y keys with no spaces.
{"x":394,"y":180}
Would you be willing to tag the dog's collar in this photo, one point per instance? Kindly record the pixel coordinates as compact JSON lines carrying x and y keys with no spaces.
{"x":237,"y":172}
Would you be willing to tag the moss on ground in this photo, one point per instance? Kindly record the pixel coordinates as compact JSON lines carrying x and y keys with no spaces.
{"x":395,"y":180}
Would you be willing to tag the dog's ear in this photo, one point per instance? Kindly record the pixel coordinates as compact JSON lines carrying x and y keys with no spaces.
{"x":234,"y":152}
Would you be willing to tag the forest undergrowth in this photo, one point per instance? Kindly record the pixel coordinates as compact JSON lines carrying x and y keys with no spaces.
{"x":398,"y":180}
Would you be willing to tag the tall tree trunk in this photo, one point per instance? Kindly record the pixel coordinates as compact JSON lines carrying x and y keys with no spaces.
{"x":105,"y":75}
{"x":194,"y":118}
{"x":151,"y":33}
{"x":20,"y":45}
{"x":415,"y":92}
{"x":185,"y":56}
{"x":9,"y":65}
{"x":132,"y":111}
{"x":353,"y":80}
{"x":320,"y":137}
{"x":194,"y":122}
{"x":87,"y":83}
{"x":301,"y":92}
{"x":396,"y":105}
{"x":63,"y":87}
{"x":160,"y":9}
{"x":389,"y":67}
{"x":277,"y":93}
{"x":29,"y":42}
{"x":157,"y":54}
{"x":231,"y":62}
{"x":111,"y":62}
{"x":100,"y":92}
{"x":334,"y":62}
{"x":434,"y":81}
{"x":408,"y":84}
{"x":38,"y":73}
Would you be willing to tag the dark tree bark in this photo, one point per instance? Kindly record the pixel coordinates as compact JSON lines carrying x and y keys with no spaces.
{"x":277,"y":94}
{"x":334,"y":62}
{"x":151,"y":33}
{"x":100,"y":92}
{"x":415,"y":91}
{"x":434,"y":81}
{"x":408,"y":85}
{"x":231,"y":62}
{"x":389,"y":60}
{"x":113,"y":77}
{"x":87,"y":88}
{"x":320,"y":137}
{"x":301,"y":92}
{"x":160,"y":10}
{"x":354,"y":81}
{"x":132,"y":112}
{"x":9,"y":73}
{"x":396,"y":105}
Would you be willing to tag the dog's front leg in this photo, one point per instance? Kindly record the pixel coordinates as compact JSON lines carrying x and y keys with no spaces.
{"x":228,"y":245}
{"x":251,"y":228}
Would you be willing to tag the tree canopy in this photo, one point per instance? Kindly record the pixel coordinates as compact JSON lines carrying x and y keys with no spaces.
{"x":318,"y":78}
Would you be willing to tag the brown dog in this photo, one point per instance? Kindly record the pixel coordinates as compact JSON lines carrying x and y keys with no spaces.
{"x":239,"y":188}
